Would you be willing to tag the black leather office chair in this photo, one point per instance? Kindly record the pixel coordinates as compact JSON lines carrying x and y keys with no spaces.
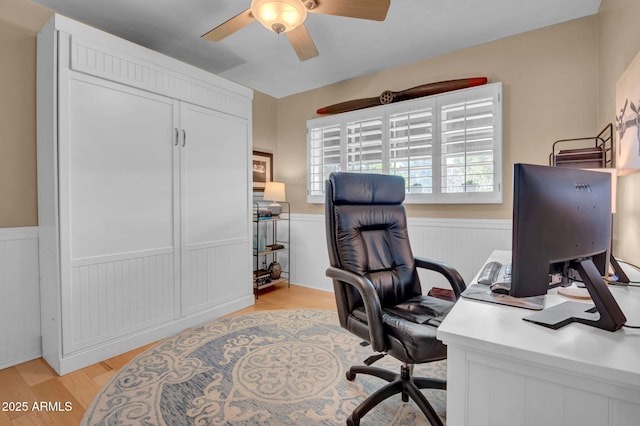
{"x":377,"y":289}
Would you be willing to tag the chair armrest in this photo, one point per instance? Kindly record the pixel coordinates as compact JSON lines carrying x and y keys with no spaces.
{"x":372,"y":306}
{"x":450,"y":273}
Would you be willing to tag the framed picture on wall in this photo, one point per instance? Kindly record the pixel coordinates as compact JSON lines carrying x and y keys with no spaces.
{"x":262,"y":170}
{"x":628,"y":119}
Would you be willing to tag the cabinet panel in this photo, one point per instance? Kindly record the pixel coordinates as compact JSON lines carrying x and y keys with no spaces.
{"x":214,"y":170}
{"x":120,"y":156}
{"x":208,"y":279}
{"x":114,"y":298}
{"x":490,"y":389}
{"x":214,"y":167}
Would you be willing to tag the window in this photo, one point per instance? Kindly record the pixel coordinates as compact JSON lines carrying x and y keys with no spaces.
{"x":448,"y":147}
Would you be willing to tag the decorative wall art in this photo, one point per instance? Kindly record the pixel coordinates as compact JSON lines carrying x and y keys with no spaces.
{"x":628,"y":119}
{"x":262,"y":170}
{"x":388,"y":96}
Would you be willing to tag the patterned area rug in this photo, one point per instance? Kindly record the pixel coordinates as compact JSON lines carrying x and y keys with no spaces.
{"x":273,"y":368}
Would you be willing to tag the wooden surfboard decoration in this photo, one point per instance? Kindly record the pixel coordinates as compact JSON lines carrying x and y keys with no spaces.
{"x":388,"y":96}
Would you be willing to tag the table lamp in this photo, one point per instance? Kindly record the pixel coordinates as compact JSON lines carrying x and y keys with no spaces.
{"x":274,"y":191}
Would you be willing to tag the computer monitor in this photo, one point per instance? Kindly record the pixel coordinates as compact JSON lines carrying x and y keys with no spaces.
{"x":562,"y":227}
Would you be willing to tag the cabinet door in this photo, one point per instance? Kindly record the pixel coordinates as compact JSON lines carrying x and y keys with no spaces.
{"x":215,"y":210}
{"x":117,"y":191}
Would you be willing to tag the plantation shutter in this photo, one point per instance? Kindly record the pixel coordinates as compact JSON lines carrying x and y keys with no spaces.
{"x":364,"y":146}
{"x":468,"y":141}
{"x":324,"y":156}
{"x":411,"y":149}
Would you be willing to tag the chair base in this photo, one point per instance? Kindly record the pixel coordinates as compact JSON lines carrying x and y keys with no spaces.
{"x":398,"y":383}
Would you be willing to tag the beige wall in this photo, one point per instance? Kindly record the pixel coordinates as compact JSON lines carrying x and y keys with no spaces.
{"x":618,"y":44}
{"x":265,"y":119}
{"x":19,"y":24}
{"x":549,"y":78}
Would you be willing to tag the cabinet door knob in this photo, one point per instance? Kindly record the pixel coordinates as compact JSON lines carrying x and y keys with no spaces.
{"x":177,"y":136}
{"x":184,"y":137}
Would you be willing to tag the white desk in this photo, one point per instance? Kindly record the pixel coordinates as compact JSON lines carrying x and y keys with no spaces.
{"x":505,"y":371}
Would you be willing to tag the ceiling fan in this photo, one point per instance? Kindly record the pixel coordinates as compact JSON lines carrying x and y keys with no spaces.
{"x":287,"y":16}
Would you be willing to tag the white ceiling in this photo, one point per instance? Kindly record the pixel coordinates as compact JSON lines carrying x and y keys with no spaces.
{"x":262,"y":60}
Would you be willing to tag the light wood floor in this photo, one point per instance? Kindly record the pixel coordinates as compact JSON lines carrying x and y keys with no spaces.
{"x":35,"y":382}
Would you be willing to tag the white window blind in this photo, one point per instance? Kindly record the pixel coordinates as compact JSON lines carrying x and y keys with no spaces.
{"x":324,"y":157}
{"x":411,"y":149}
{"x":364,"y":146}
{"x":468,"y":144}
{"x":447,"y":147}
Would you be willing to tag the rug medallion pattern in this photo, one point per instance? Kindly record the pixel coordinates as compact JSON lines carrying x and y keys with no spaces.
{"x":273,"y":367}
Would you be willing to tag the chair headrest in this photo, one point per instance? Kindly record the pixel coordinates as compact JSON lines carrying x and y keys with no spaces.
{"x":362,"y":188}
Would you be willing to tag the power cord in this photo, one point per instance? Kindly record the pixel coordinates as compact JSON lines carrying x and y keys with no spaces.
{"x":630,"y":283}
{"x":628,"y":263}
{"x":618,"y":283}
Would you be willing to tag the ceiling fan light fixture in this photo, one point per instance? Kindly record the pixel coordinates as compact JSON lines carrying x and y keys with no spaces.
{"x":279,"y":15}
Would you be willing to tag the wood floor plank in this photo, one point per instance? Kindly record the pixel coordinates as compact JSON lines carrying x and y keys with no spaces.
{"x":117,"y":362}
{"x":104,"y":378}
{"x":13,"y":389}
{"x":58,"y":402}
{"x":4,"y":419}
{"x":36,"y":371}
{"x":81,"y":386}
{"x":97,"y":369}
{"x":35,"y":381}
{"x":34,"y":418}
{"x":282,"y":297}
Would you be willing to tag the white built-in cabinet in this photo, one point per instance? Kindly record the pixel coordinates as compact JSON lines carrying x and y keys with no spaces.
{"x":144,"y":195}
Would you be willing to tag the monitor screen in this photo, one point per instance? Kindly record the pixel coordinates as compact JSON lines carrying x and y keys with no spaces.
{"x":562,"y":227}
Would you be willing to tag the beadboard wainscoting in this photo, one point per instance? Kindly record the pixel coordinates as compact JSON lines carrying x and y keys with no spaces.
{"x":462,"y":243}
{"x":19,"y":296}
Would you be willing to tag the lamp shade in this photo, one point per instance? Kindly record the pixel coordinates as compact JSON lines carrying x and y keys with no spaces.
{"x":274,"y":191}
{"x":279,"y":15}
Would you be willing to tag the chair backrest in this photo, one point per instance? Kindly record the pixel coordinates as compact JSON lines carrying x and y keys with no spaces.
{"x":366,"y":227}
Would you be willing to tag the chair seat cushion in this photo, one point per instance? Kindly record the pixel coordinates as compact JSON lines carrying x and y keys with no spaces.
{"x":411,"y":328}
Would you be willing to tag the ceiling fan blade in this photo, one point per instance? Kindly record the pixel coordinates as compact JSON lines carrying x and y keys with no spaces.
{"x":229,"y":27}
{"x":301,"y":41}
{"x":375,"y":10}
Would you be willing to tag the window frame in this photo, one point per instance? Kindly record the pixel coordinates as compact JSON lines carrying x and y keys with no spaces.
{"x":435,"y":102}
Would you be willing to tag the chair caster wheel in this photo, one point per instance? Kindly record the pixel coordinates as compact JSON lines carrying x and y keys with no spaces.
{"x":352,"y":422}
{"x":351,"y":376}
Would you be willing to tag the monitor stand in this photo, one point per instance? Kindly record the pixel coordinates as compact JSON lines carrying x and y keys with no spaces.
{"x":622,"y":277}
{"x":606,"y":313}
